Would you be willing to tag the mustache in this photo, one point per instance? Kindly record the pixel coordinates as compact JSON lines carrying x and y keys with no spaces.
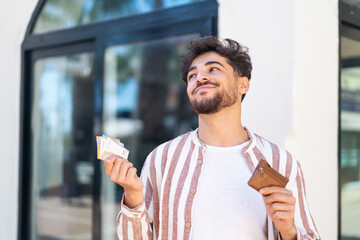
{"x":205,"y":83}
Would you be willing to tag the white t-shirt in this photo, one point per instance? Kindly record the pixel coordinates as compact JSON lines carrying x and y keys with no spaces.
{"x":225,"y":206}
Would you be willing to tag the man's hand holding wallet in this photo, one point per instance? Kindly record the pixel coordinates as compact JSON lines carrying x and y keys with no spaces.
{"x":280,"y":203}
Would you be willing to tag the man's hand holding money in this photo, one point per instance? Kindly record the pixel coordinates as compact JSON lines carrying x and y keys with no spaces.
{"x":122,"y":172}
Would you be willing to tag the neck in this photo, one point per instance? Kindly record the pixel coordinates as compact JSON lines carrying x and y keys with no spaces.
{"x":224,"y":128}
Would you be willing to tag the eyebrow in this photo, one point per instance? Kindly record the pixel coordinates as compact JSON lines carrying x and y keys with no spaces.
{"x":207,"y":63}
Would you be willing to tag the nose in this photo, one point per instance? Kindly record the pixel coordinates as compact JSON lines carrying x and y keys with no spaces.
{"x":201,"y":76}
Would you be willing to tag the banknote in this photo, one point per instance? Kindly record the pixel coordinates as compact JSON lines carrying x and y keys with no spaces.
{"x":108,"y":145}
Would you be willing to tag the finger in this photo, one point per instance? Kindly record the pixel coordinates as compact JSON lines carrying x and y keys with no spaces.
{"x":106,"y":155}
{"x":116,"y":170}
{"x":124,"y":170}
{"x":276,"y":207}
{"x":279,"y":197}
{"x":109,"y":164}
{"x":132,"y":173}
{"x":282,"y":215}
{"x":274,"y":189}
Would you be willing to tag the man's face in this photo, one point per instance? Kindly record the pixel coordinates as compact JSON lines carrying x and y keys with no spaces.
{"x":212,"y":84}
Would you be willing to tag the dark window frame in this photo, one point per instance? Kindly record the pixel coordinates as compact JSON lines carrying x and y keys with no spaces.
{"x":349,"y":26}
{"x":199,"y":17}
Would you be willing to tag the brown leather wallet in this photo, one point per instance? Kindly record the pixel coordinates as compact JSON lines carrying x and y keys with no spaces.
{"x":265,"y":176}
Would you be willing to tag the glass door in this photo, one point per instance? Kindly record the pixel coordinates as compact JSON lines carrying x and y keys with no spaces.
{"x":145,"y":104}
{"x":350,"y":137}
{"x":91,"y":68}
{"x":62,"y":113}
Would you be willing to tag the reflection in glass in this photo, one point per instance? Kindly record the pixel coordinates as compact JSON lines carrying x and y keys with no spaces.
{"x":60,"y":14}
{"x":352,"y":2}
{"x":62,"y":172}
{"x":350,"y":139}
{"x":145,"y":104}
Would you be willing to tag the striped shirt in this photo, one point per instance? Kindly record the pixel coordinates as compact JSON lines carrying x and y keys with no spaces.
{"x":171,"y":174}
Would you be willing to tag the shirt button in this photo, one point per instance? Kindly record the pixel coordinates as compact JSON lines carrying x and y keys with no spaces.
{"x":200,"y":162}
{"x":193,"y":190}
{"x":188,"y":225}
{"x":136,"y":215}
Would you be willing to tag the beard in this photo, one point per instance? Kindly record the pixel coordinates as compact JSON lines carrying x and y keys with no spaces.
{"x":219,"y":101}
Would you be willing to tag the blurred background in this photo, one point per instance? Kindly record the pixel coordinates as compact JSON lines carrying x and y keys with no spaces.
{"x":71,"y":70}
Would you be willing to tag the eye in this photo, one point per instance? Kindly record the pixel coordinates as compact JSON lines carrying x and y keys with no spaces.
{"x":213,"y":69}
{"x":191,"y":76}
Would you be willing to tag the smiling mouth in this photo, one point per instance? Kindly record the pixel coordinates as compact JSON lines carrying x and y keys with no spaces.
{"x":204,"y":87}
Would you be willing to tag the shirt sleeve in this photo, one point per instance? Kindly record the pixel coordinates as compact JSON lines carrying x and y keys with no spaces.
{"x":136,"y":223}
{"x":299,"y":235}
{"x":303,"y":220}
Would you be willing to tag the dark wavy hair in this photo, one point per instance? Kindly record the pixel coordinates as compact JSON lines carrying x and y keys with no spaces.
{"x":237,"y":55}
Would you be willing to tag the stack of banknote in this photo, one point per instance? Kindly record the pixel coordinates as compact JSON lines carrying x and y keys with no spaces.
{"x":107,"y":145}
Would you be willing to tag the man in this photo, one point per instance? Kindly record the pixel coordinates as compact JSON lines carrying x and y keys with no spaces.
{"x":195,"y":186}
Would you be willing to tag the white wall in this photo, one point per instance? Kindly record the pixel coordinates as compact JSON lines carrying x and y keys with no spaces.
{"x":267,"y":29}
{"x":293,"y":92}
{"x":15,"y":16}
{"x":315,"y":115}
{"x":292,"y":101}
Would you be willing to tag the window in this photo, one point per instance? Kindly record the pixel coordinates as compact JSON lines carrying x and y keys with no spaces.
{"x":91,"y":68}
{"x":62,"y":121}
{"x":144,"y":105}
{"x":59,"y":14}
{"x":350,"y":121}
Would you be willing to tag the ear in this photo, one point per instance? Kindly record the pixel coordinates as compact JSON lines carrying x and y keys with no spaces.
{"x":244,"y":85}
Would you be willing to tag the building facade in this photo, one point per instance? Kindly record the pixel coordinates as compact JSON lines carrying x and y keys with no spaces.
{"x":73,"y":70}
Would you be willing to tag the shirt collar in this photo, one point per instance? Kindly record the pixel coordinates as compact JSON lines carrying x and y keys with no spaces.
{"x":251,"y":143}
